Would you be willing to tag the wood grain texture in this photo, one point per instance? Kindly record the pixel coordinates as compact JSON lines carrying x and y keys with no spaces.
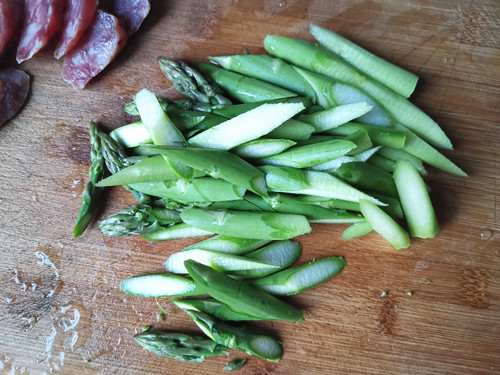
{"x":60,"y":305}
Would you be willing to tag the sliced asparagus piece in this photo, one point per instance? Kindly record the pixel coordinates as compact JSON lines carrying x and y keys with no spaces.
{"x":309,"y":155}
{"x":152,"y":169}
{"x":176,"y":231}
{"x":213,"y":307}
{"x":415,"y":200}
{"x":357,"y":230}
{"x":246,"y":127}
{"x":242,"y":88}
{"x":162,"y":285}
{"x":296,"y":279}
{"x":384,"y":225}
{"x":240,"y":296}
{"x":379,"y":135}
{"x":336,"y":116}
{"x":262,"y":147}
{"x":161,"y":129}
{"x":218,"y":164}
{"x":257,"y":225}
{"x":318,"y":183}
{"x":201,"y":189}
{"x":228,"y":244}
{"x":401,"y":81}
{"x":280,"y":254}
{"x":217,"y":260}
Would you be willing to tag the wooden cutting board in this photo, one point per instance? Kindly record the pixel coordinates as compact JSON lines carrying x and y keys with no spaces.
{"x":61,"y":309}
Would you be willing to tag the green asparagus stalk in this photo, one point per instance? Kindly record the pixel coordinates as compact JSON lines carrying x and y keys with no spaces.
{"x":336,"y":116}
{"x":193,"y":349}
{"x":138,"y":219}
{"x":230,"y":111}
{"x":263,"y":147}
{"x":309,"y":155}
{"x":384,"y":225}
{"x":296,"y":279}
{"x":217,"y":260}
{"x":239,"y":338}
{"x":281,"y":254}
{"x":218,"y":164}
{"x":242,"y":88}
{"x":367,"y":176}
{"x":292,"y":129}
{"x":357,"y":230}
{"x":228,"y":244}
{"x":246,"y":127}
{"x":379,"y":135}
{"x":175,"y":232}
{"x":257,"y":225}
{"x":161,"y":129}
{"x":316,"y":183}
{"x":240,"y":296}
{"x":395,"y":154}
{"x":191,"y":83}
{"x":399,"y":80}
{"x":91,"y":192}
{"x":150,"y":169}
{"x":213,"y":307}
{"x":200,"y":189}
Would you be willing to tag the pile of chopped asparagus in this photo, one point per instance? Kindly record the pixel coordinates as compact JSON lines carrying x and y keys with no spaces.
{"x":262,"y":147}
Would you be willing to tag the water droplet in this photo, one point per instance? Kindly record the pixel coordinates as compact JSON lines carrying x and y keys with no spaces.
{"x":35,"y":197}
{"x":486,"y":234}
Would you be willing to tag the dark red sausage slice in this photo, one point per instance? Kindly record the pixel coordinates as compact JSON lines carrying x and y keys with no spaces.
{"x":42,"y":19}
{"x":130,"y":12}
{"x":77,"y":17}
{"x":10,"y":16}
{"x":14,"y":88}
{"x":96,"y":49}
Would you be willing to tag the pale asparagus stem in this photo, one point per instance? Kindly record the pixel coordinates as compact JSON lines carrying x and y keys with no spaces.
{"x":191,"y":83}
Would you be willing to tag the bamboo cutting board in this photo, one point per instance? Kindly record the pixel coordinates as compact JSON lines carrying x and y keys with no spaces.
{"x":61,"y":310}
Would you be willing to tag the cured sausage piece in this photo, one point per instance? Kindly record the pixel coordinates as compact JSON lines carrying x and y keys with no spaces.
{"x":10,"y":15}
{"x":130,"y":12}
{"x":14,"y":88}
{"x":42,"y":19}
{"x":77,"y":17}
{"x":96,"y":49}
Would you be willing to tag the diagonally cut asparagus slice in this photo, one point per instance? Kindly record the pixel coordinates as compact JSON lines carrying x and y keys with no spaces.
{"x":246,"y":127}
{"x":415,"y":200}
{"x":217,"y":260}
{"x":162,"y":285}
{"x":218,"y":164}
{"x":257,"y":225}
{"x":384,"y":225}
{"x":394,"y":77}
{"x":296,"y":279}
{"x":336,"y":116}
